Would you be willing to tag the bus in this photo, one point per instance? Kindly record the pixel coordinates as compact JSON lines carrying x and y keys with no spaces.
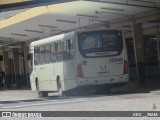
{"x":79,"y":59}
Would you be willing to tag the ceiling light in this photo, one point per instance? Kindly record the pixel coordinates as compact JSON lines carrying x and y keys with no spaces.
{"x":35,"y":31}
{"x":47,"y":26}
{"x":23,"y":35}
{"x":100,"y":12}
{"x":115,"y":9}
{"x":98,"y":20}
{"x":67,"y":21}
{"x":84,"y":15}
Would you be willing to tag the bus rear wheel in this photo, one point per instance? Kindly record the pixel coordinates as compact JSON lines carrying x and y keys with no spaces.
{"x":40,"y":93}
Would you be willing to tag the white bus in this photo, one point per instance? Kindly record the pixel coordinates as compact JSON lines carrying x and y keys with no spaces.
{"x":80,"y":59}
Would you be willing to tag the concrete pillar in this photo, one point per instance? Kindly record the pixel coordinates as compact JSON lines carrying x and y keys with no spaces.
{"x":25,"y":62}
{"x":139,"y":52}
{"x":6,"y":61}
{"x":16,"y":60}
{"x":16,"y":67}
{"x":6,"y":67}
{"x":1,"y":60}
{"x":25,"y":53}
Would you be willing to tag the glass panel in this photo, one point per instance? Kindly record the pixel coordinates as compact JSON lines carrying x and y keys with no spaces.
{"x":59,"y":54}
{"x":36,"y":56}
{"x":47,"y":53}
{"x":100,"y":43}
{"x":42,"y":54}
{"x":53,"y":51}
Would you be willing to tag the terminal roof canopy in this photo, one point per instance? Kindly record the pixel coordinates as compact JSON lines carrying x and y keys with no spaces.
{"x":48,"y":20}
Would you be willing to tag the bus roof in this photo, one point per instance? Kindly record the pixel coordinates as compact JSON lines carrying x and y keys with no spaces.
{"x":62,"y":36}
{"x":53,"y":38}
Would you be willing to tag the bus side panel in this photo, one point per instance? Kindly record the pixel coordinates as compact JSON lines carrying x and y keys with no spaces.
{"x":69,"y":75}
{"x":49,"y":79}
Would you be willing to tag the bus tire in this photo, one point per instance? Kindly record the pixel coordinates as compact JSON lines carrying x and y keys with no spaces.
{"x":40,"y":93}
{"x":60,"y":91}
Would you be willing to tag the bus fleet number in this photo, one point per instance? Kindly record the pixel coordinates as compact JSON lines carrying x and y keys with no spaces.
{"x":115,"y":60}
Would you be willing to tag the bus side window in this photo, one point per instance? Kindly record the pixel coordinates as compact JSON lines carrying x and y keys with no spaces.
{"x":59,"y":54}
{"x":47,"y":53}
{"x":68,"y":49}
{"x":36,"y":55}
{"x":30,"y":58}
{"x":53,"y":52}
{"x":65,"y":50}
{"x":42,"y":54}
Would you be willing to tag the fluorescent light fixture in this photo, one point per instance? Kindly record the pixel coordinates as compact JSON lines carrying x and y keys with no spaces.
{"x":84,"y":15}
{"x":47,"y":26}
{"x":99,"y":20}
{"x":100,"y":12}
{"x":35,"y":31}
{"x":17,"y":34}
{"x":53,"y":30}
{"x":57,"y":30}
{"x":67,"y":21}
{"x":115,"y":9}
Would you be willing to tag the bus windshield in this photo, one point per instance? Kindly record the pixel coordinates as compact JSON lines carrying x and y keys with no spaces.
{"x":100,"y":43}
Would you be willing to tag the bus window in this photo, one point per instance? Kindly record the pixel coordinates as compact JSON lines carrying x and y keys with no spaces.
{"x":65,"y":51}
{"x":68,"y":49}
{"x":30,"y":59}
{"x":59,"y":54}
{"x":53,"y":51}
{"x":42,"y":54}
{"x":100,"y":43}
{"x":47,"y":53}
{"x":36,"y":55}
{"x":30,"y":63}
